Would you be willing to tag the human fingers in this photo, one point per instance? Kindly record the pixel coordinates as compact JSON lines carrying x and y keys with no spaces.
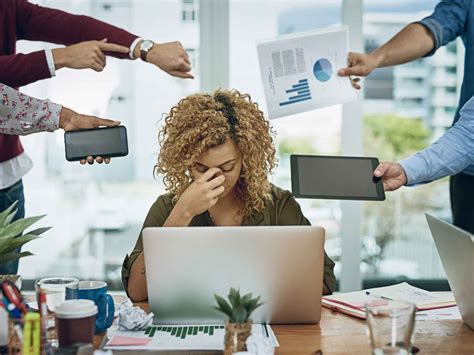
{"x":215,"y":182}
{"x":104,"y":122}
{"x":112,"y":47}
{"x":208,"y":174}
{"x":180,"y":74}
{"x":382,"y":169}
{"x":217,"y":191}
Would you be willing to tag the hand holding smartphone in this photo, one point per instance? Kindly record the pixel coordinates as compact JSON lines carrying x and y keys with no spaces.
{"x":106,"y":142}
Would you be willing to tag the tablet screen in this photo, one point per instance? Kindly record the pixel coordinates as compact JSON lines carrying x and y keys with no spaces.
{"x":341,"y":178}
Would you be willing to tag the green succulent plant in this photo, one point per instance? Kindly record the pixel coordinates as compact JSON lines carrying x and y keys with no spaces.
{"x":11,"y":234}
{"x":238,"y":309}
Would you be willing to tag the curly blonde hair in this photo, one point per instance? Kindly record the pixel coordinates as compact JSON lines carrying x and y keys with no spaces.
{"x":200,"y":122}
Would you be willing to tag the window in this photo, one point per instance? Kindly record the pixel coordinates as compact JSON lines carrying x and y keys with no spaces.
{"x":97,"y":211}
{"x":189,"y":12}
{"x":395,"y":232}
{"x":316,"y":132}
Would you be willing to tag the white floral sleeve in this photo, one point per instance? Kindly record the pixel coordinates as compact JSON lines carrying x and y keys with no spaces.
{"x":21,"y":114}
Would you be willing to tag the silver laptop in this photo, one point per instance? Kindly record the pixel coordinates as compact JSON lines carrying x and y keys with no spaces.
{"x":186,"y":266}
{"x":456,"y":250}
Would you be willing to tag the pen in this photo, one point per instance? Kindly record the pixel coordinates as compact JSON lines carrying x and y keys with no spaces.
{"x":43,"y":309}
{"x":368,"y":293}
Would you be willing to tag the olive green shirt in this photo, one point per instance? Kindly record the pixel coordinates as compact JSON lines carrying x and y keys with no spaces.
{"x":281,"y":210}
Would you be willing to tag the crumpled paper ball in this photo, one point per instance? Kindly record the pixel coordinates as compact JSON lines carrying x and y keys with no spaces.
{"x":133,"y":318}
{"x":258,"y":345}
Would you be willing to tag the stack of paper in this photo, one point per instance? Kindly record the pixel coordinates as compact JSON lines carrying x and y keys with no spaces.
{"x":353,"y":303}
{"x":179,"y":337}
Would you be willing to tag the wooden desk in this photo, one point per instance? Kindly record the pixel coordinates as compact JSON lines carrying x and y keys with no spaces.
{"x":341,"y":334}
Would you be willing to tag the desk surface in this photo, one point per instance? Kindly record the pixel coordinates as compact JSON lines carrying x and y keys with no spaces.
{"x":338,"y":334}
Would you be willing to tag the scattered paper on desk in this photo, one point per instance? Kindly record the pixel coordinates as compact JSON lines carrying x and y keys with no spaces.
{"x":450,"y":313}
{"x":299,"y":72}
{"x":179,"y":337}
{"x":421,"y":298}
{"x":133,"y":318}
{"x":353,"y":303}
{"x":259,"y":344}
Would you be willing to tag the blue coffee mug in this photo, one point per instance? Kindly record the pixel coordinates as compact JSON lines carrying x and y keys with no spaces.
{"x":97,"y":291}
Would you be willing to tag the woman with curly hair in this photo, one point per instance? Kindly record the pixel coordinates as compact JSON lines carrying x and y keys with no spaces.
{"x":216,"y":155}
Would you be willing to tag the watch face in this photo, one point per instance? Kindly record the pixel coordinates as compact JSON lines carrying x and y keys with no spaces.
{"x":146,"y":45}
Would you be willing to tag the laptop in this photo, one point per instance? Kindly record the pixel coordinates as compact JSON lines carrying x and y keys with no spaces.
{"x":186,"y":266}
{"x":456,"y":250}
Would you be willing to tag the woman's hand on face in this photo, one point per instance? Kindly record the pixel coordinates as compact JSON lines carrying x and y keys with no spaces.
{"x":202,"y":194}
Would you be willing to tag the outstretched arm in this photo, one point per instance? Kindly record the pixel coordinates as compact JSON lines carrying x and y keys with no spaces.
{"x":416,"y":40}
{"x":449,"y":155}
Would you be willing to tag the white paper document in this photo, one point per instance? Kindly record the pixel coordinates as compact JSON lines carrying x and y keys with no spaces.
{"x":179,"y":337}
{"x":299,"y":72}
{"x":451,"y":313}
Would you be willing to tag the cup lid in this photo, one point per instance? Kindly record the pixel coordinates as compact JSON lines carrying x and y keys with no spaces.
{"x":73,"y":309}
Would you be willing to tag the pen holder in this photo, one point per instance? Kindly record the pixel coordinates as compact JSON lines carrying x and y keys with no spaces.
{"x":236,"y":335}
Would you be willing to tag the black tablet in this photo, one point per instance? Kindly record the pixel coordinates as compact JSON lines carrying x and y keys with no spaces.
{"x":335,"y":178}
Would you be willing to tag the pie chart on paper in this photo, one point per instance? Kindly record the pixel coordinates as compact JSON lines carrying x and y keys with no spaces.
{"x":322,"y":70}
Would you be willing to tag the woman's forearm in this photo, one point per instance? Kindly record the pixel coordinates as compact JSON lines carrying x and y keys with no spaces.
{"x":137,"y":288}
{"x":178,"y":218}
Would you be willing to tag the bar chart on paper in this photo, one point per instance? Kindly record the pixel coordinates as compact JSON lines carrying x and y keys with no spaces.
{"x":299,"y":72}
{"x":182,"y":332}
{"x":179,"y":337}
{"x":298,"y":92}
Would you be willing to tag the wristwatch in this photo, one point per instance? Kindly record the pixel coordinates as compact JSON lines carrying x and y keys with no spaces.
{"x":145,"y":47}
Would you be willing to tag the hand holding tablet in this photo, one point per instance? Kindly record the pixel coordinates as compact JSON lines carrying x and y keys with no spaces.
{"x":335,"y":178}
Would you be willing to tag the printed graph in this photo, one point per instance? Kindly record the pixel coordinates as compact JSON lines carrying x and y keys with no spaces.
{"x":322,"y":70}
{"x":302,"y":91}
{"x":182,"y":332}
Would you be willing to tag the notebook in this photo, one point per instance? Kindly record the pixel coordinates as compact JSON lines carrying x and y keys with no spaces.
{"x":353,"y":303}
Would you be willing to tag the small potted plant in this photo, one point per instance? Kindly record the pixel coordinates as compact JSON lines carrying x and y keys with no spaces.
{"x":239,"y":325}
{"x":11,"y":237}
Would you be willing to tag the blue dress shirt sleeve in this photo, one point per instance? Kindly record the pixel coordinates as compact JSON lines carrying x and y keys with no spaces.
{"x":449,"y":155}
{"x":447,"y":22}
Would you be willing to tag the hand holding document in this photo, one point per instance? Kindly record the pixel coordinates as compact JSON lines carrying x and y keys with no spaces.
{"x":299,"y":72}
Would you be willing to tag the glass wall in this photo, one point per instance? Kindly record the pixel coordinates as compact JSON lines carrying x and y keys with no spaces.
{"x":97,"y":211}
{"x":316,"y":132}
{"x":405,"y":108}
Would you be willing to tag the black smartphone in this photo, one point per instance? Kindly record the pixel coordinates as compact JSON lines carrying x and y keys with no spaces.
{"x":335,"y":178}
{"x":107,"y":142}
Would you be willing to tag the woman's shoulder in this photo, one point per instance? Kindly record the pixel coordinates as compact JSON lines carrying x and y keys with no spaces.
{"x":164,"y":200}
{"x":279,"y":195}
{"x":160,"y":210}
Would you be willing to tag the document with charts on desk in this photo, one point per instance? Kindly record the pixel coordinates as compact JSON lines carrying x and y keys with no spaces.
{"x":299,"y":72}
{"x":179,"y":337}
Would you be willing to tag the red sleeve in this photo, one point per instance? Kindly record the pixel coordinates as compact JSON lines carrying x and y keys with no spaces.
{"x":39,"y":23}
{"x":22,"y":69}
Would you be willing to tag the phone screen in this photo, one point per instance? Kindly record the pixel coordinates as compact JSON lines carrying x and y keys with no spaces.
{"x":105,"y":142}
